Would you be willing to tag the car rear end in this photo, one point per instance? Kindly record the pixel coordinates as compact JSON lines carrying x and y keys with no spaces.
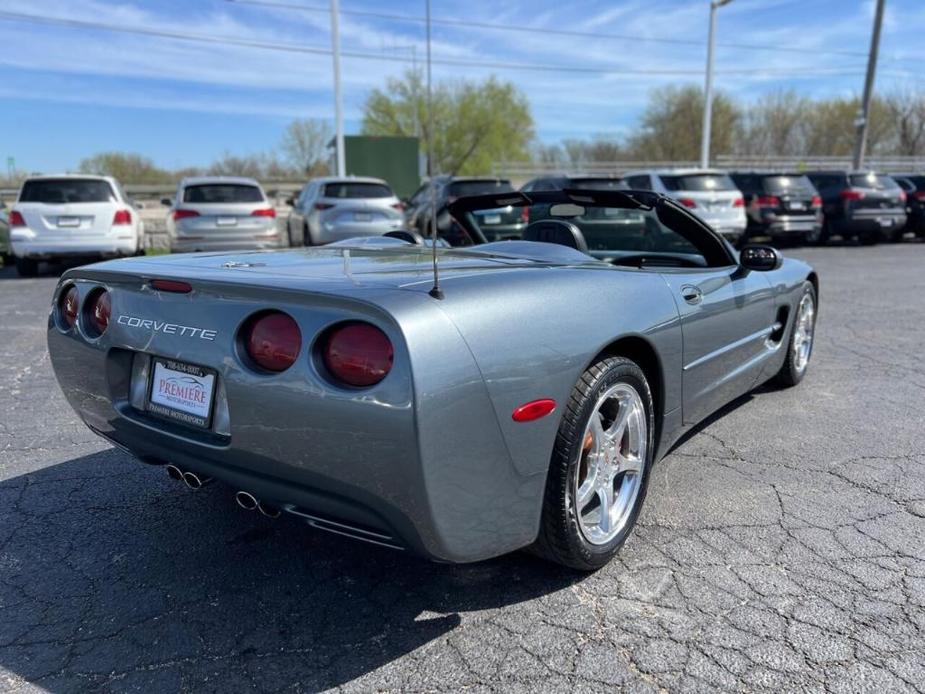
{"x":784,"y":206}
{"x":712,"y":196}
{"x":326,"y":395}
{"x":873,"y":207}
{"x":350,"y":208}
{"x":222,"y":215}
{"x":71,"y":216}
{"x":496,"y":224}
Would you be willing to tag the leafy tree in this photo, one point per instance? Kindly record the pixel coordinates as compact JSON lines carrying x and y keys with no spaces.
{"x":673,"y":121}
{"x":126,"y":167}
{"x":476,"y":124}
{"x":305,"y":144}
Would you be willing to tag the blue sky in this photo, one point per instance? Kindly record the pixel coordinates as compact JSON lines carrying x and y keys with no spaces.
{"x":68,"y":92}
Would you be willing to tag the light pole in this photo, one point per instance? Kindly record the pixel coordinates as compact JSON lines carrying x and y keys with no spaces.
{"x":338,"y":95}
{"x":708,"y":88}
{"x":864,"y":115}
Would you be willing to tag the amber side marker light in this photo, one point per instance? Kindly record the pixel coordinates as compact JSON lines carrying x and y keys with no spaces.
{"x":535,"y":409}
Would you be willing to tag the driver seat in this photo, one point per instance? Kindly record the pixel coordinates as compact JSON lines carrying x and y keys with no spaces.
{"x":556,"y":231}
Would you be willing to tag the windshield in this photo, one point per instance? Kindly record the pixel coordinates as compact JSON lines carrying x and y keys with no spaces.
{"x":698,"y":182}
{"x":357,"y":190}
{"x":222,"y":192}
{"x":62,"y":191}
{"x":784,"y":183}
{"x":458,"y":189}
{"x":873,"y":181}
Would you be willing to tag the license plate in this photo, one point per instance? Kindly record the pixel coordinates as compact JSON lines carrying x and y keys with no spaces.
{"x":492,"y":219}
{"x":362,"y":217}
{"x":226,"y":221}
{"x":68,"y":221}
{"x":797,"y":206}
{"x":181,"y":392}
{"x":886,"y":221}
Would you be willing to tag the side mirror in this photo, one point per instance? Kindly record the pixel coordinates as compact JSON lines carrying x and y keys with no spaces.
{"x":760,"y":258}
{"x":166,"y":202}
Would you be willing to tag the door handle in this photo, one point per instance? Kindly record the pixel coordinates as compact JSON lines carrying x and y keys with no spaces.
{"x":691,"y":294}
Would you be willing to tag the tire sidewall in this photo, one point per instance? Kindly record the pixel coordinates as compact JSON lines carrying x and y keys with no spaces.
{"x":623,"y":371}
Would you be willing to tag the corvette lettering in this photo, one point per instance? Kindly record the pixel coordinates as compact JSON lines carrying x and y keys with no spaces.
{"x":167,"y":328}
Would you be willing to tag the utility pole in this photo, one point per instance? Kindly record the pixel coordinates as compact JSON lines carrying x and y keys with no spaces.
{"x":708,"y":87}
{"x":338,"y":94}
{"x":863,"y":118}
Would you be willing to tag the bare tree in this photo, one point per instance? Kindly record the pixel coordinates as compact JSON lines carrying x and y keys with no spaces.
{"x":907,"y":114}
{"x":305,"y":144}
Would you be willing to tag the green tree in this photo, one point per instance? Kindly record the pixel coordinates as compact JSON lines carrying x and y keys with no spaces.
{"x":673,"y":121}
{"x":305,"y":144}
{"x":476,"y":124}
{"x":127,"y":168}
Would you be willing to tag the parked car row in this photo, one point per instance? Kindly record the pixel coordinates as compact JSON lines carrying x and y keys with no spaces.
{"x":84,"y":216}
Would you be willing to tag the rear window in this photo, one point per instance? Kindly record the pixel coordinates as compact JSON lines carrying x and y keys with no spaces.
{"x":222,"y":192}
{"x":598,"y":183}
{"x":459,"y":189}
{"x":917,"y":181}
{"x":875,"y":181}
{"x":357,"y":190}
{"x":785,"y":183}
{"x":66,"y":190}
{"x":698,"y":182}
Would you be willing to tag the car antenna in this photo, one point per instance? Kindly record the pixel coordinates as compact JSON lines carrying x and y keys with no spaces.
{"x":435,"y":291}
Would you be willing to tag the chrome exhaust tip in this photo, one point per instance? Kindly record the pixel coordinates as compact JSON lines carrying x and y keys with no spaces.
{"x":246,"y":501}
{"x":269,"y":510}
{"x":194,"y":481}
{"x":174,"y":472}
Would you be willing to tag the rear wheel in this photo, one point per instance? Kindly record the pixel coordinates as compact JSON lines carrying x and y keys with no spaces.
{"x":27,"y":267}
{"x":800,"y":348}
{"x":307,"y":236}
{"x":600,"y":465}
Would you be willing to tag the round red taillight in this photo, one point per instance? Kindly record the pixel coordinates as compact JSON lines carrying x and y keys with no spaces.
{"x":359,"y":354}
{"x":98,"y":311}
{"x":273,"y":340}
{"x":68,"y":305}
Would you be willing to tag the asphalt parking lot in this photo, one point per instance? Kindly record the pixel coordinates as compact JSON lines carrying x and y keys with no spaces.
{"x":782,"y":547}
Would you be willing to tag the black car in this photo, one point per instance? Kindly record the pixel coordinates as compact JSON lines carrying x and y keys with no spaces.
{"x":914,"y":187}
{"x":864,"y":205}
{"x":784,"y":206}
{"x":583,"y":181}
{"x":502,"y":223}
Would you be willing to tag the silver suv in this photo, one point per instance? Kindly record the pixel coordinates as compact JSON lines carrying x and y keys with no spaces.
{"x":708,"y":193}
{"x":332,"y":209}
{"x":221,"y":213}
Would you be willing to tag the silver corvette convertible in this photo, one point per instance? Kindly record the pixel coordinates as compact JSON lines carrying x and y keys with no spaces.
{"x":517,"y":399}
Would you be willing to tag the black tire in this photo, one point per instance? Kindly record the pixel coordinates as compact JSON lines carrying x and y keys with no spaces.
{"x":789,"y":375}
{"x":825,"y":233}
{"x":306,"y":236}
{"x":27,"y":267}
{"x":560,"y":538}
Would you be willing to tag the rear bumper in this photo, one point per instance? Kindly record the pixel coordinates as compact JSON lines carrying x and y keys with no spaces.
{"x":787,"y":226}
{"x":869,"y":222}
{"x":205,"y":243}
{"x":329,"y":233}
{"x":30,"y":245}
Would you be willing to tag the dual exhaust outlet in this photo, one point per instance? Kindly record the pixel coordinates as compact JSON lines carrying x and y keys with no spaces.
{"x":245,"y":500}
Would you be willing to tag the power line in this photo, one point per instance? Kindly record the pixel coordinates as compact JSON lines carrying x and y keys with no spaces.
{"x":500,"y":65}
{"x":542,"y":30}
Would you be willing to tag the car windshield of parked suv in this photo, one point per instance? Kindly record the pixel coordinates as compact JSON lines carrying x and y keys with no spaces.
{"x":458,"y":189}
{"x":698,"y":182}
{"x":66,"y":191}
{"x":592,"y":183}
{"x":788,"y":183}
{"x":357,"y":190}
{"x":874,"y":181}
{"x":222,"y":192}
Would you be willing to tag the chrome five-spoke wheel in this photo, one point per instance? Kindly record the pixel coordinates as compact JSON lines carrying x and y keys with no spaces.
{"x":608,"y":476}
{"x":803,"y":328}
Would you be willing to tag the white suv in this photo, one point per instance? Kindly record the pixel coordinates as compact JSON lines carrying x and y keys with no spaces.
{"x":708,"y":193}
{"x":72,"y":216}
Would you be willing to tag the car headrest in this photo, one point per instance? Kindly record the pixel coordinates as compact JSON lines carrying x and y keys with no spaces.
{"x":556,"y":231}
